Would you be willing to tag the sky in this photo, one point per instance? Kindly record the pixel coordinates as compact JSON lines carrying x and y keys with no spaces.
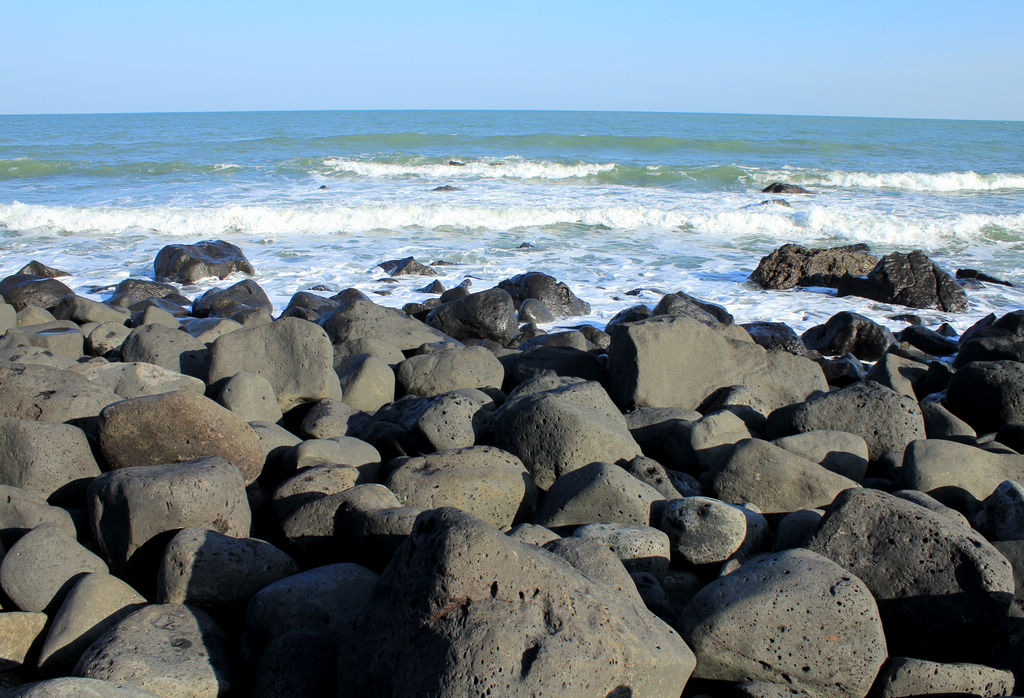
{"x":900,"y":58}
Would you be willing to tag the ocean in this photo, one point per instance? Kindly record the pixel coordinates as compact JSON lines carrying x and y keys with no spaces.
{"x":607,"y":202}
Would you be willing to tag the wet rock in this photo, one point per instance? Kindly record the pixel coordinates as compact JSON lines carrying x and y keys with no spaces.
{"x":792,"y":617}
{"x":793,"y":265}
{"x":907,"y":279}
{"x":23,"y":290}
{"x":406,"y":266}
{"x":775,"y":336}
{"x":484,"y":481}
{"x":533,"y":310}
{"x":781,"y":188}
{"x":939,"y":584}
{"x":980,"y":276}
{"x":225,"y":302}
{"x":849,"y":333}
{"x":131,"y":507}
{"x":683,"y":304}
{"x":492,"y":613}
{"x":928,"y":341}
{"x":485,"y":315}
{"x":554,"y":294}
{"x":35,"y":268}
{"x":174,"y":427}
{"x":190,"y":263}
{"x":130,"y":292}
{"x":169,"y":649}
{"x":885,"y":419}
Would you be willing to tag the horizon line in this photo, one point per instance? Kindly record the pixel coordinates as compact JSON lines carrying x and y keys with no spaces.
{"x":503,"y":109}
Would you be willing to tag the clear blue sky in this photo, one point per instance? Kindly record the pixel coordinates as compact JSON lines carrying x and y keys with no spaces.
{"x":896,"y":58}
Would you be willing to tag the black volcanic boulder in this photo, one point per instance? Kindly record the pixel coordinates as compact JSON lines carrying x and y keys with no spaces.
{"x":488,"y":314}
{"x":987,"y":394}
{"x":849,"y":333}
{"x":406,"y":266}
{"x":561,"y":301}
{"x":35,"y":268}
{"x":780,"y":188}
{"x":775,"y":336}
{"x":908,"y":279}
{"x":23,"y":290}
{"x":132,"y":291}
{"x":793,"y":265}
{"x":680,"y":303}
{"x":225,"y":302}
{"x":980,"y":276}
{"x":188,"y":263}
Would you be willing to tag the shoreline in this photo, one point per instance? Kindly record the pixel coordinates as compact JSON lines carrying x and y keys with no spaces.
{"x":672,"y":503}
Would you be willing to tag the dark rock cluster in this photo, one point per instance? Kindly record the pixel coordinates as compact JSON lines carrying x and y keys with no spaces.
{"x":200,"y":499}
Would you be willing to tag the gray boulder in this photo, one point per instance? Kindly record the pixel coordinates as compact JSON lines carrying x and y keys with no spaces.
{"x":597,"y":493}
{"x":131,"y":292}
{"x":206,"y":569}
{"x":902,"y":677}
{"x":78,"y":687}
{"x":42,"y":566}
{"x":337,"y":450}
{"x":251,"y":397}
{"x":37,"y":268}
{"x":774,"y":479}
{"x":838,"y":451}
{"x":706,"y":531}
{"x":294,"y":355}
{"x":406,"y":266}
{"x":82,"y":310}
{"x":417,"y":426}
{"x":363,"y":319}
{"x":488,"y":314}
{"x":793,"y":617}
{"x":1001,"y":516}
{"x":137,"y":378}
{"x":957,"y":473}
{"x":297,"y":663}
{"x":173,"y":427}
{"x":105,"y":338}
{"x":190,"y":263}
{"x":459,"y":591}
{"x":168,"y":348}
{"x":367,"y":383}
{"x":45,"y":458}
{"x":22,"y":510}
{"x":20,"y":635}
{"x":557,"y":430}
{"x":886,"y":420}
{"x":675,"y":361}
{"x":61,"y":337}
{"x":639,"y":548}
{"x":940,"y":423}
{"x":323,"y":600}
{"x":169,"y":649}
{"x":329,"y":418}
{"x":487,"y":482}
{"x":932,"y":608}
{"x":453,"y":369}
{"x":138,"y":507}
{"x":312,"y":483}
{"x":95,"y":603}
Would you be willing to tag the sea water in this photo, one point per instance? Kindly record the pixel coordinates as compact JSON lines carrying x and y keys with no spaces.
{"x":607,"y":202}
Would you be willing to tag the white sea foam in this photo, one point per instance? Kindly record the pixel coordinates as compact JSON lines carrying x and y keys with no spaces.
{"x":511,"y":167}
{"x":910,"y":181}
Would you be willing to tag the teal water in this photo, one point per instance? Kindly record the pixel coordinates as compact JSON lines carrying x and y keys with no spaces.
{"x":610,"y":201}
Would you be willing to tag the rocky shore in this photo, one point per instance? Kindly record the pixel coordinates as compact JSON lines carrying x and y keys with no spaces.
{"x":203,"y":497}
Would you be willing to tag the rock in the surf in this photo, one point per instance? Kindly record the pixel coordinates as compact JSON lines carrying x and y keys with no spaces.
{"x":910,"y":279}
{"x":488,"y":314}
{"x":190,"y":263}
{"x":225,"y":302}
{"x":24,"y":290}
{"x":554,"y":294}
{"x":794,"y":265}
